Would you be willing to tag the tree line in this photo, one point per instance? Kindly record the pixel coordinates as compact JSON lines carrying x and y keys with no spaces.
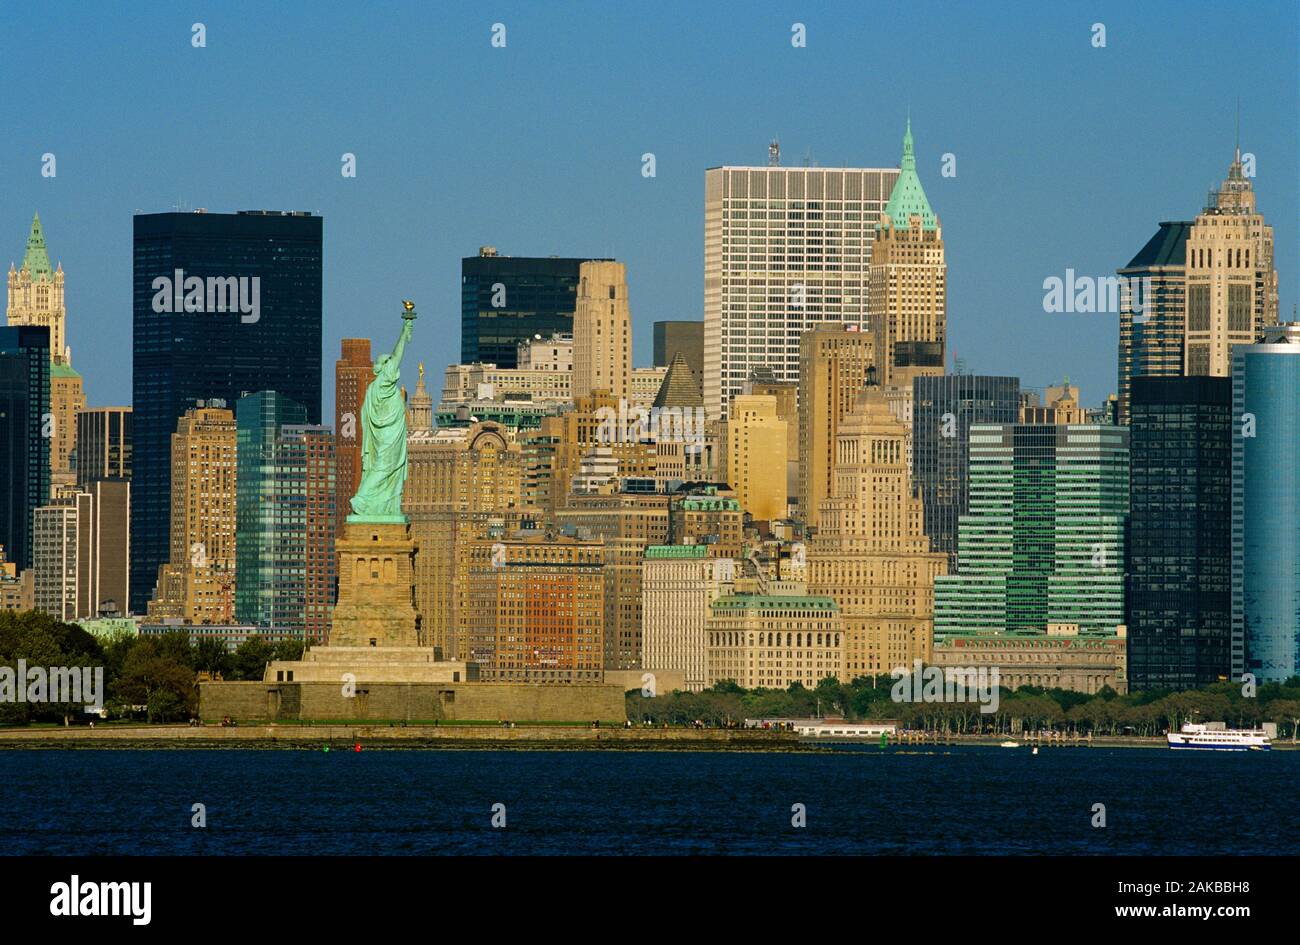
{"x":1027,"y":708}
{"x":150,"y":677}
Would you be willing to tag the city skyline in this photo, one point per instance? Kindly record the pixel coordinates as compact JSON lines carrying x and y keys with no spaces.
{"x":428,"y":194}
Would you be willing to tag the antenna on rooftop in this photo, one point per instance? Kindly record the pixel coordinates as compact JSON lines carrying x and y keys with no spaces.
{"x":774,"y":153}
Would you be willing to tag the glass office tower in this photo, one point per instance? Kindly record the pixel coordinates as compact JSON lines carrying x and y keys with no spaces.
{"x":940,"y":448}
{"x":508,"y":299}
{"x":1179,"y":560}
{"x":1043,"y":542}
{"x":24,"y":450}
{"x":1266,"y":505}
{"x":223,"y":304}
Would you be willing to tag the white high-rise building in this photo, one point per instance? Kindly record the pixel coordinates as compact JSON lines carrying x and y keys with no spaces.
{"x":678,"y":583}
{"x":784,"y":249}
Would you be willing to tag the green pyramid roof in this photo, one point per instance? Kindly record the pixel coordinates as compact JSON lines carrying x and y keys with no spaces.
{"x":908,"y":197}
{"x":36,"y":258}
{"x":679,"y":387}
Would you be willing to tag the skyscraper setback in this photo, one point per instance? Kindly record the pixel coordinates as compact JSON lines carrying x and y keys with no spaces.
{"x":835,"y":361}
{"x":196,"y":583}
{"x":205,"y":349}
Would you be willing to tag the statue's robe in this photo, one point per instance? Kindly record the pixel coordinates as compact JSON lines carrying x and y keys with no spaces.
{"x":383,"y":444}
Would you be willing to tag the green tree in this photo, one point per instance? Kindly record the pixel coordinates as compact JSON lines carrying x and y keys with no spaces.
{"x":153,"y":677}
{"x":212,"y":656}
{"x":46,"y":644}
{"x":250,"y":658}
{"x":288,"y":651}
{"x":1285,"y":712}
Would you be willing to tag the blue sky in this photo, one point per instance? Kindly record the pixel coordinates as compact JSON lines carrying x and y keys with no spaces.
{"x":1067,"y":155}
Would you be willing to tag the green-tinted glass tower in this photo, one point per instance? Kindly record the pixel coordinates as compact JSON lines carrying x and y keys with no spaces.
{"x":1043,"y":541}
{"x":284,"y":518}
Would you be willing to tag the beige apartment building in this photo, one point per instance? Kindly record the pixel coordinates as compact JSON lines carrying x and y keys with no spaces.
{"x":708,"y":515}
{"x":201,"y":564}
{"x":17,"y":591}
{"x":763,"y":641}
{"x":470,"y":383}
{"x":536,"y":609}
{"x":764,"y":384}
{"x":626,"y":524}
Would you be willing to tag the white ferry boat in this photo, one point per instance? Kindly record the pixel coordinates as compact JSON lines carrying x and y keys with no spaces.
{"x":1216,"y":736}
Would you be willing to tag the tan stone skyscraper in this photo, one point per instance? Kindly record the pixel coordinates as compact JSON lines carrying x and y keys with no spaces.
{"x":907,"y":297}
{"x":870,"y":552}
{"x":464,"y":483}
{"x":1231,"y":293}
{"x":36,"y":292}
{"x":756,"y":444}
{"x":834,"y":361}
{"x":36,"y":298}
{"x":201,"y":569}
{"x":67,"y":399}
{"x":602,"y":331}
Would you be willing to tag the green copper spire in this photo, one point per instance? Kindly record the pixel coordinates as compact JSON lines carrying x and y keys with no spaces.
{"x":37,"y":259}
{"x":908,"y":197}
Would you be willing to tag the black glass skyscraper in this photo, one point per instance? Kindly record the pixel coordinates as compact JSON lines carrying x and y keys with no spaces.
{"x":1151,"y":310}
{"x":1179,"y":562}
{"x":506,"y":299}
{"x":943,"y":409}
{"x":224,"y":304}
{"x":24,"y":449}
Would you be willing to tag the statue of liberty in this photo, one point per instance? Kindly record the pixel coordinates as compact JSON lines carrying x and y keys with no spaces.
{"x":383,"y":438}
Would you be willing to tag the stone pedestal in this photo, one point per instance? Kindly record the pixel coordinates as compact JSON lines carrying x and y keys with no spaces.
{"x":376,"y":605}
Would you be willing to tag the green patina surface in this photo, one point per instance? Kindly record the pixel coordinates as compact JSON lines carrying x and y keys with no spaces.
{"x":907,"y":200}
{"x":37,"y":258}
{"x":677,"y":551}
